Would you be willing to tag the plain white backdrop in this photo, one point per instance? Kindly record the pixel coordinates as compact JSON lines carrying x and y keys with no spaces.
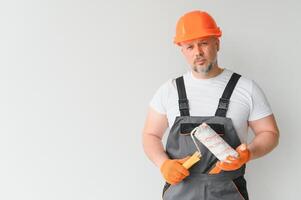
{"x":76,"y":77}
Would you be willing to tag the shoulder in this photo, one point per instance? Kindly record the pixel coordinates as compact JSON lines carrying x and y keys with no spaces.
{"x":250,"y":89}
{"x":167,"y":87}
{"x":244,"y":83}
{"x":170,"y":84}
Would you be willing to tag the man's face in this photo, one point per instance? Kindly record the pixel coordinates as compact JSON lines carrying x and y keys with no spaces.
{"x":201,"y":53}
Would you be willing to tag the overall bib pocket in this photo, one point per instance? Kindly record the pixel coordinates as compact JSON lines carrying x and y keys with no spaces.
{"x":186,"y":128}
{"x":224,"y":189}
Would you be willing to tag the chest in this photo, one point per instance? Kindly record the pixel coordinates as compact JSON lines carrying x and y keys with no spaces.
{"x":204,"y":102}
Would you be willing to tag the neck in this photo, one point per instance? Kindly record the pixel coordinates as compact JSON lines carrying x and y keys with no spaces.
{"x":216,"y":70}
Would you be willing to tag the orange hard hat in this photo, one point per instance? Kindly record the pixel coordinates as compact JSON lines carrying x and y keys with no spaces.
{"x":196,"y":24}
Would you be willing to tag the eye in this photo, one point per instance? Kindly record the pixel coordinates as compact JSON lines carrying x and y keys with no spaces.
{"x":189,"y":47}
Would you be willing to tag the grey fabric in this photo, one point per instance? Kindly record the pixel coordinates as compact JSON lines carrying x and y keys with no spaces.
{"x":199,"y":185}
{"x":204,"y":188}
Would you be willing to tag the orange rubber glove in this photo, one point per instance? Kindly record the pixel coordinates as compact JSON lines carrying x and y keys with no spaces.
{"x":173,"y":171}
{"x":233,"y":163}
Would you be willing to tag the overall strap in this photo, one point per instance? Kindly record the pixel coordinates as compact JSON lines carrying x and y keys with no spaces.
{"x":225,"y":99}
{"x":183,"y":101}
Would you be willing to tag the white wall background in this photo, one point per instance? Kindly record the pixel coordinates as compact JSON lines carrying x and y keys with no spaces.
{"x":76,"y":77}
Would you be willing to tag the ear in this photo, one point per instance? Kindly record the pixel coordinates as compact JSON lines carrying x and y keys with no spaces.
{"x":217,"y":44}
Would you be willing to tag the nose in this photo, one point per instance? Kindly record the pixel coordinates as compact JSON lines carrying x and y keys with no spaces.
{"x":199,"y":50}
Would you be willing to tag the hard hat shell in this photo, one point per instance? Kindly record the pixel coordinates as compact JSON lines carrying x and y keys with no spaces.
{"x":194,"y":25}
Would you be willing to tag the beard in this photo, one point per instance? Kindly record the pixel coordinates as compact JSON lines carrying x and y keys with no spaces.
{"x":203,"y":70}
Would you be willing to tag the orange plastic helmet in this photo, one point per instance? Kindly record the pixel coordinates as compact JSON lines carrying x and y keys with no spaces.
{"x":194,"y":25}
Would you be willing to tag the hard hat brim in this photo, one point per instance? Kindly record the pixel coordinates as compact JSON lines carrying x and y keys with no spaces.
{"x":208,"y":33}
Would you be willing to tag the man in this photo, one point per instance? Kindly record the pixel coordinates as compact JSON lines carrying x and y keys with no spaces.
{"x":227,"y":102}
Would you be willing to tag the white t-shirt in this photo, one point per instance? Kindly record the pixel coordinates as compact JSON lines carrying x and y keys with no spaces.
{"x":247,"y":102}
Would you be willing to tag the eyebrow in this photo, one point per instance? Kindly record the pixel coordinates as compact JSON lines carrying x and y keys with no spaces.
{"x":207,"y":39}
{"x":203,"y":40}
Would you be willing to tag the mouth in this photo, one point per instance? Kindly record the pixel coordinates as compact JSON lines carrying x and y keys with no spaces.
{"x":202,"y":61}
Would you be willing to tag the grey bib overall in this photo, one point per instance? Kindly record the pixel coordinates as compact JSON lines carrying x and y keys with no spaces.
{"x":199,"y":185}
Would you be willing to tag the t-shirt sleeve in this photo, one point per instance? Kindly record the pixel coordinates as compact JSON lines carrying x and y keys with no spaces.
{"x":260,"y":106}
{"x":158,"y":101}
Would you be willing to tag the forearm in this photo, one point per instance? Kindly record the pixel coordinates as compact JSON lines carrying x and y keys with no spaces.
{"x":263,"y":143}
{"x":154,"y":149}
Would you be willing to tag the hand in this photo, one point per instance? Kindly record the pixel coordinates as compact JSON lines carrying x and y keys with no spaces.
{"x":173,"y":171}
{"x":233,"y":163}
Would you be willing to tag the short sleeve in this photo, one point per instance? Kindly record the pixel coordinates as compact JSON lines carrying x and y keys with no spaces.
{"x":260,"y":106}
{"x":158,"y":101}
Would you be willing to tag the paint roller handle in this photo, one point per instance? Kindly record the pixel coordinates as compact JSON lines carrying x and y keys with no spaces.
{"x":192,"y":160}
